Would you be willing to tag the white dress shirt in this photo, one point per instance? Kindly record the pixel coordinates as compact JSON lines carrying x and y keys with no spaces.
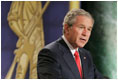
{"x":70,"y":47}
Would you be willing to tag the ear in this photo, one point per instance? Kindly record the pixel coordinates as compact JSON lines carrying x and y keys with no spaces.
{"x":66,"y":28}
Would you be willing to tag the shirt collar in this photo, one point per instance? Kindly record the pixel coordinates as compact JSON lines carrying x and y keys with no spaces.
{"x":69,"y":45}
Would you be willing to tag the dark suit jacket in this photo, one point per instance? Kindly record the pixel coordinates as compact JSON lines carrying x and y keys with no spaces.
{"x":56,"y":61}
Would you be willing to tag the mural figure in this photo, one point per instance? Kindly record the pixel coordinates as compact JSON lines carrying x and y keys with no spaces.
{"x":25,"y":19}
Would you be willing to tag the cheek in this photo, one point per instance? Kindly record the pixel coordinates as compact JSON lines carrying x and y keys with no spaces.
{"x":88,"y":36}
{"x":77,"y":38}
{"x":75,"y":35}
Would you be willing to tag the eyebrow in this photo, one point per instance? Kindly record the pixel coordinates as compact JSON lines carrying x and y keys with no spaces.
{"x":84,"y":25}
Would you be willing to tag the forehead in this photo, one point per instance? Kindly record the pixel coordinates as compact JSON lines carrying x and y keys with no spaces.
{"x":84,"y":19}
{"x":80,"y":17}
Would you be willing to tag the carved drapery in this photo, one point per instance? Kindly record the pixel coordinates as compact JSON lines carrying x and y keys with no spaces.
{"x":25,"y":19}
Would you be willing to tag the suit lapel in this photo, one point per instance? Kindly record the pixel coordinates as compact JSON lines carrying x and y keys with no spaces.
{"x":67,"y":55}
{"x":84,"y":63}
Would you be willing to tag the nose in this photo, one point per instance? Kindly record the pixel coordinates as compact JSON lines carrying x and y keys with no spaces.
{"x":84,"y":33}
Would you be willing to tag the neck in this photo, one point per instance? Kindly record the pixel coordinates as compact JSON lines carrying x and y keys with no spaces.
{"x":73,"y":45}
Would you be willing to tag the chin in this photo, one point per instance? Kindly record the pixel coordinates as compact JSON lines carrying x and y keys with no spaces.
{"x":81,"y":46}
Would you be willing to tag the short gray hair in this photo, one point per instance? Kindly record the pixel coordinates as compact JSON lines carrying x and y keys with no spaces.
{"x":70,"y":17}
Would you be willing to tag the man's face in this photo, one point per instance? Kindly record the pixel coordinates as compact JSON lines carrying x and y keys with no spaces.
{"x":78,"y":35}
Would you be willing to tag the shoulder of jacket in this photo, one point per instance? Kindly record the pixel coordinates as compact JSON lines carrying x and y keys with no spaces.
{"x":86,"y":52}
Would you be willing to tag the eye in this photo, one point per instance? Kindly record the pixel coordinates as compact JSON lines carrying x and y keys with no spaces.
{"x":89,"y":29}
{"x":81,"y":27}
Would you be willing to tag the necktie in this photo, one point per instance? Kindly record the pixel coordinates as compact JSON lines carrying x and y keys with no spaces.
{"x":77,"y":59}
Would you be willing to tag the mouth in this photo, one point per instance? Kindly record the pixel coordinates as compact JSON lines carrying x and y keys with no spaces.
{"x":82,"y":39}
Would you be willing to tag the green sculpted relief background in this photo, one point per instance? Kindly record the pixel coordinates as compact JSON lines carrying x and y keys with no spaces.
{"x":103,"y":41}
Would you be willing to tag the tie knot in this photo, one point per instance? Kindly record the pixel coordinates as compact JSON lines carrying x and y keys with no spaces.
{"x":76,"y":53}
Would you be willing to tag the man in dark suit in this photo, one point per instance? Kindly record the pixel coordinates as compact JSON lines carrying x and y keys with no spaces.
{"x":66,"y":58}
